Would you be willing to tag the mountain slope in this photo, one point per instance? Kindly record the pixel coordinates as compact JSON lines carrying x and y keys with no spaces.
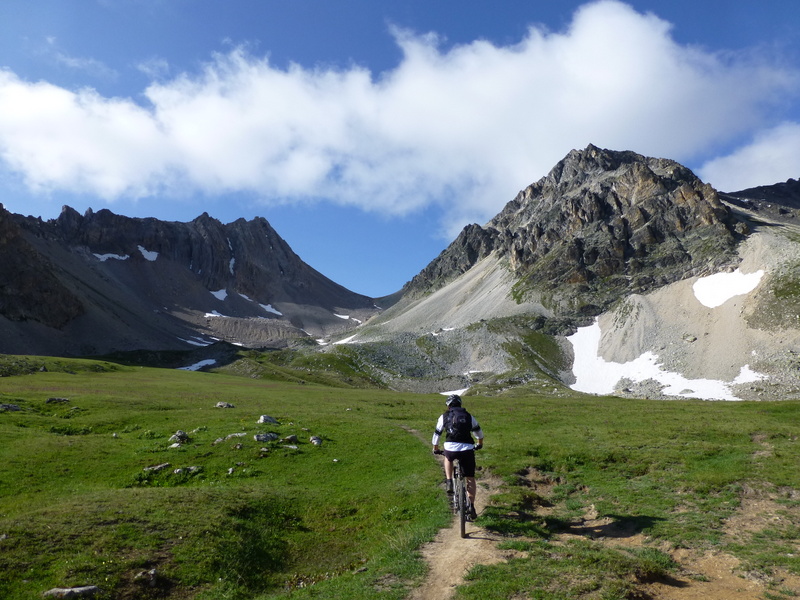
{"x":600,"y":224}
{"x":101,"y":282}
{"x":606,"y":234}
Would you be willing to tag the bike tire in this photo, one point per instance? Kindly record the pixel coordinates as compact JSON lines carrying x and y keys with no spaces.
{"x":461,"y":499}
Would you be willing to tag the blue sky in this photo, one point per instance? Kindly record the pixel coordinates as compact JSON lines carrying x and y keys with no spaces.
{"x":369,"y":132}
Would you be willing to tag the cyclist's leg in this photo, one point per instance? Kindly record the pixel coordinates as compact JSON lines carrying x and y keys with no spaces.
{"x":468,"y":465}
{"x":448,"y":467}
{"x":471,"y":489}
{"x":448,"y":472}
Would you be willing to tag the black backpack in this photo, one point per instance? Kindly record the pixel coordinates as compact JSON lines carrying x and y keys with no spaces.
{"x":458,"y":425}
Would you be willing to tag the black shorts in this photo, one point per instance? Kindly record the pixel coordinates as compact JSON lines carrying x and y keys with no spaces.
{"x":466,"y":458}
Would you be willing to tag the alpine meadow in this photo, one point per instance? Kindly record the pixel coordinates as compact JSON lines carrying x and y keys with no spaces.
{"x":591,"y":496}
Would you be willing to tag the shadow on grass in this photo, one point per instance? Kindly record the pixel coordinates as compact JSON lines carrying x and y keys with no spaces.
{"x":610,"y":526}
{"x":521,"y":522}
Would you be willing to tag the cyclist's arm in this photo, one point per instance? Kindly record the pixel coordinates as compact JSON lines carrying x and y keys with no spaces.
{"x":437,"y":433}
{"x":476,"y":430}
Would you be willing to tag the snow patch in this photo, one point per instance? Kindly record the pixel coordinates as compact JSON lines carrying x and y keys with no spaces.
{"x":747,"y":375}
{"x":456,"y":392}
{"x":716,"y":290}
{"x":197,"y":342}
{"x":269,"y":308}
{"x":594,"y":375}
{"x":346,"y":340}
{"x":214,"y":313}
{"x":220,"y":294}
{"x":345,"y":317}
{"x":442,"y":330}
{"x":151,"y":256}
{"x":197,"y":366}
{"x":230,"y":265}
{"x":105,"y":257}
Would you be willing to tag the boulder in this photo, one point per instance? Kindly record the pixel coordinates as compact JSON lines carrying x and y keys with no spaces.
{"x":149,"y":578}
{"x":156,"y":468}
{"x":180,"y":437}
{"x":85,"y":591}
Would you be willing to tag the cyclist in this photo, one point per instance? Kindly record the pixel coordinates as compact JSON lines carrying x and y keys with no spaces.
{"x":459,"y":426}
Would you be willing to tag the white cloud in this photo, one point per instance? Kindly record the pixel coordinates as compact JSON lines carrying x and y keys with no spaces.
{"x":154,"y":68}
{"x":466,"y":127}
{"x":92,"y":66}
{"x":772,"y":157}
{"x":79,"y":141}
{"x":89,"y":65}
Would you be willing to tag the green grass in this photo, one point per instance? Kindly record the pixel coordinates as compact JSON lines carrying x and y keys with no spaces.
{"x":77,"y":506}
{"x":673,"y":471}
{"x":247,"y":519}
{"x":576,"y":569}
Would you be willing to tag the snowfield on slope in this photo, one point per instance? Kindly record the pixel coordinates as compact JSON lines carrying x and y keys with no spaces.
{"x":596,"y":375}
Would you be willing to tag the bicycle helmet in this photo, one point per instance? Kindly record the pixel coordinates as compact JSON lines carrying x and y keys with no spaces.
{"x":453,"y":400}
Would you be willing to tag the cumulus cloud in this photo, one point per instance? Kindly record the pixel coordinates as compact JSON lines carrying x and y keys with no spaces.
{"x":79,"y":141}
{"x":465,"y":127}
{"x":772,"y":157}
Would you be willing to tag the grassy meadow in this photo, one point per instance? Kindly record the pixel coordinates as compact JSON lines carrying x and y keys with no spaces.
{"x":231,"y":517}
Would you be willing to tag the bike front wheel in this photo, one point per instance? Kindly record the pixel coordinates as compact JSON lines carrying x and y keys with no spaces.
{"x":461,"y":500}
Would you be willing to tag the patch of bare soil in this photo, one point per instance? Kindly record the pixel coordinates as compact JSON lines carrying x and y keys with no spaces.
{"x":715,"y":575}
{"x":703,"y":574}
{"x":449,"y":556}
{"x":721,"y":576}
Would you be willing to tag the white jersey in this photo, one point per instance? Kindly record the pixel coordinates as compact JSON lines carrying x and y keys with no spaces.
{"x":455,"y":446}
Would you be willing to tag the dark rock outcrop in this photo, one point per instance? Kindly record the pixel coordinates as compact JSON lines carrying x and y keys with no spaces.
{"x":600,"y":224}
{"x":29,"y":287}
{"x":780,"y":201}
{"x":786,"y":194}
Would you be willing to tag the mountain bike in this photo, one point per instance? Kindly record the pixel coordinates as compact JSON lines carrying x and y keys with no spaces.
{"x":461,"y":503}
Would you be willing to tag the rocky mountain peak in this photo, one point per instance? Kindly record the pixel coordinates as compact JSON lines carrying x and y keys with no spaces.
{"x":601,"y":223}
{"x":91,"y":283}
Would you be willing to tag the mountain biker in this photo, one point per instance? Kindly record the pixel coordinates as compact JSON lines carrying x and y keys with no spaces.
{"x":460,"y":445}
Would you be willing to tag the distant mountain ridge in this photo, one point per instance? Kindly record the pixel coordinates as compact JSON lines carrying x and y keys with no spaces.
{"x":101,"y":282}
{"x":608,"y":241}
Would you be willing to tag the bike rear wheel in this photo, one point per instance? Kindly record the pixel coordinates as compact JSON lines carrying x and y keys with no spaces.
{"x":460,"y":493}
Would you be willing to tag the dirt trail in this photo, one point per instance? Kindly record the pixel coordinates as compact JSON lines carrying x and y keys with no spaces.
{"x":449,"y":556}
